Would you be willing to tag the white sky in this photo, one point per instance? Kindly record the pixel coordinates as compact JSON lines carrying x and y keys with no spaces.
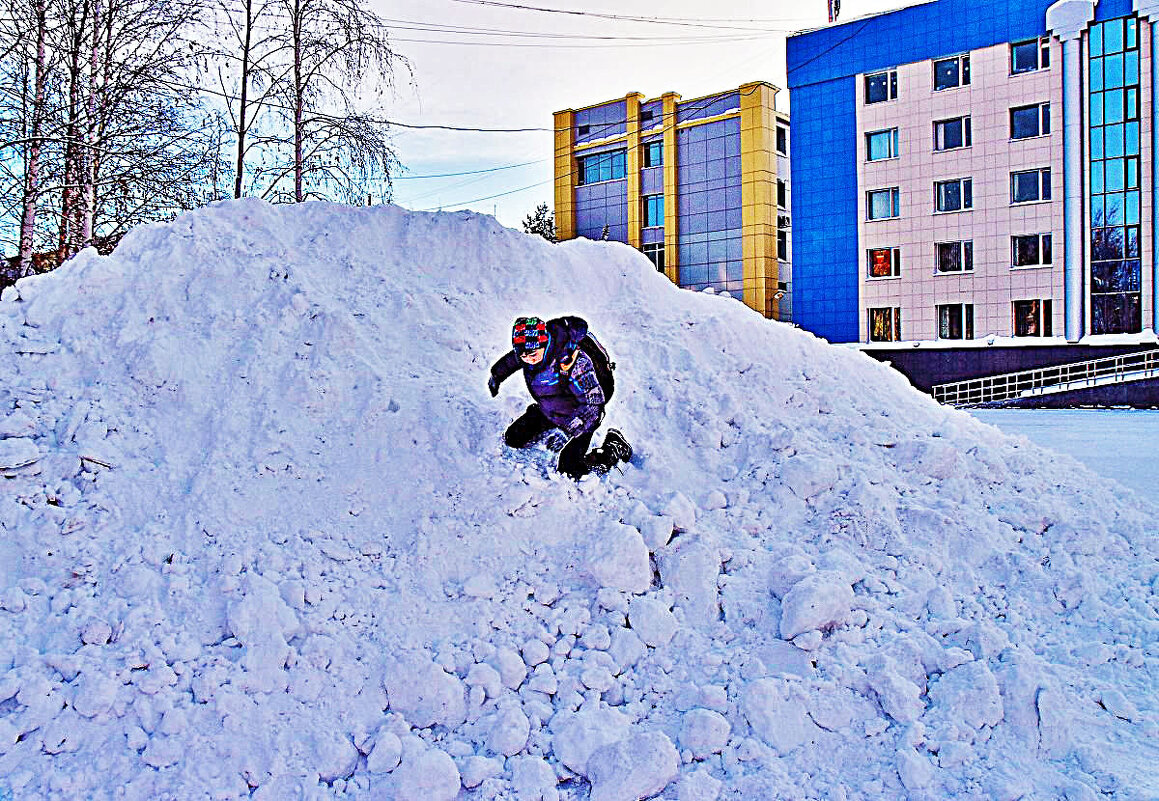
{"x":518,"y":86}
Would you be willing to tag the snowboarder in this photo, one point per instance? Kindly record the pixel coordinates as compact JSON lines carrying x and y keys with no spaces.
{"x":570,"y":390}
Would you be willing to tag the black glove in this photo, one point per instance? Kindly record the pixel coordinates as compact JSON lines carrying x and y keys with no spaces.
{"x":493,"y":385}
{"x":555,"y":439}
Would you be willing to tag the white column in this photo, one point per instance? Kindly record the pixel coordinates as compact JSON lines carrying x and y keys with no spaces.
{"x":1067,"y":19}
{"x":1150,"y":8}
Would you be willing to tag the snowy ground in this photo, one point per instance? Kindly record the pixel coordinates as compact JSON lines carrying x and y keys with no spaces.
{"x":1122,"y":444}
{"x":259,"y":537}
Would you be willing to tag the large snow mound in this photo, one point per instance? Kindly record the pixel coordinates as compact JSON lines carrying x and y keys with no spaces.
{"x":259,"y":536}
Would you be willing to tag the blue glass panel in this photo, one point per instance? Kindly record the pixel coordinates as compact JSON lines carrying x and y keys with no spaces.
{"x":1133,"y":172}
{"x":1097,"y":178}
{"x":1132,"y":32}
{"x":1131,"y":217}
{"x":1096,"y":75}
{"x":1096,"y":42}
{"x":1098,"y":214}
{"x":1113,"y":106}
{"x":1097,"y":143}
{"x":1114,"y":139}
{"x":1114,"y":71}
{"x":1116,"y":176}
{"x":1096,"y":109}
{"x":1131,"y":67}
{"x":1132,"y":134}
{"x":1113,"y":210}
{"x":1113,"y":36}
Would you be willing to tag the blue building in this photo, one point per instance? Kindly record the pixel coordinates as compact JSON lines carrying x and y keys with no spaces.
{"x":965,"y":168}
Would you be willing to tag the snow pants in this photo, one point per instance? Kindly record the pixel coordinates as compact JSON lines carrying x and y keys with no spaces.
{"x":574,"y":459}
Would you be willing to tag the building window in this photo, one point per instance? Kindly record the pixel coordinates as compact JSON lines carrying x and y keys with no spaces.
{"x":653,"y":154}
{"x":653,"y":210}
{"x":951,"y":72}
{"x":956,"y":321}
{"x":881,"y":86}
{"x":885,"y":324}
{"x":1115,"y":198}
{"x":1027,"y":122}
{"x":881,"y":145}
{"x":884,"y":262}
{"x":782,"y":140}
{"x":1032,"y":318}
{"x":646,"y":116}
{"x":952,"y":134}
{"x":955,"y":195}
{"x":1028,"y":56}
{"x":602,"y":167}
{"x":583,"y":130}
{"x":1029,"y":186}
{"x":655,"y":253}
{"x":1031,"y":250}
{"x":954,"y":257}
{"x":783,"y":245}
{"x":882,"y":204}
{"x":782,"y":194}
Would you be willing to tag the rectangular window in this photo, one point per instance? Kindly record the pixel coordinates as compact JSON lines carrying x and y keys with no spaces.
{"x":881,"y":86}
{"x":1029,"y":56}
{"x":782,"y":194}
{"x":951,"y":72}
{"x":885,"y":324}
{"x":653,"y":154}
{"x":882,"y":204}
{"x":782,"y":140}
{"x":653,"y":210}
{"x":783,"y":245}
{"x":655,"y":253}
{"x":954,"y":257}
{"x":1027,"y":122}
{"x":956,"y":321}
{"x":602,"y":167}
{"x":1030,"y":185}
{"x":1031,"y":250}
{"x":952,"y":134}
{"x":884,"y":262}
{"x":1032,"y":318}
{"x":881,"y":145}
{"x":955,"y":195}
{"x":646,"y":116}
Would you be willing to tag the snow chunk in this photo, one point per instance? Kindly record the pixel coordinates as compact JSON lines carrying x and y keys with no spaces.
{"x":261,"y":621}
{"x":652,"y":619}
{"x":698,"y":786}
{"x":429,"y":775}
{"x":17,"y":452}
{"x":386,"y":754}
{"x":509,"y":730}
{"x":618,"y":560}
{"x":808,"y":476}
{"x":95,"y":694}
{"x":681,"y":511}
{"x":533,"y":779}
{"x":576,"y":736}
{"x":704,"y":732}
{"x":899,"y":697}
{"x":968,"y":693}
{"x":634,"y":768}
{"x":820,"y":600}
{"x":778,"y":714}
{"x":424,"y":693}
{"x":691,"y":573}
{"x":915,"y":770}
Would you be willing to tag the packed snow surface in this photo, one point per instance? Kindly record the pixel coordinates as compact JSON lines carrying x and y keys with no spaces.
{"x":260,"y":537}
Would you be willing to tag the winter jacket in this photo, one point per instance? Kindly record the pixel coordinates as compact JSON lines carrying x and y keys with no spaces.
{"x":569,"y":397}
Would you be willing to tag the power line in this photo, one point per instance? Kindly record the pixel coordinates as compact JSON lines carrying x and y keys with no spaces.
{"x":687,"y":22}
{"x":468,"y":172}
{"x":555,"y":45}
{"x":489,"y":197}
{"x":465,"y":30}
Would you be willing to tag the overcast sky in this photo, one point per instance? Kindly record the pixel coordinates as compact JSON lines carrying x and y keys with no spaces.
{"x":547,"y":61}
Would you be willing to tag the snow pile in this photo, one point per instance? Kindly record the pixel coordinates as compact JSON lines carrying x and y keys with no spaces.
{"x":259,"y":537}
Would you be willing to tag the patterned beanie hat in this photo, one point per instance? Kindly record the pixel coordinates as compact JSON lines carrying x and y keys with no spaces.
{"x":528,"y":334}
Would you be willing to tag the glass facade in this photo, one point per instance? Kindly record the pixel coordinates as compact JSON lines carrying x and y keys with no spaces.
{"x":1116,"y":268}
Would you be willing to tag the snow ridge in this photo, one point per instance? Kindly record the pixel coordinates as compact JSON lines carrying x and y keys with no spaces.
{"x":259,"y":537}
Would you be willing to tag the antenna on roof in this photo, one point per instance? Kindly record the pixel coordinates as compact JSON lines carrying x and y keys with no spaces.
{"x":834,"y":10}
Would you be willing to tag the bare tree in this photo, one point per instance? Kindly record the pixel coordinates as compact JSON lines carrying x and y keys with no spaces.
{"x":339,"y":54}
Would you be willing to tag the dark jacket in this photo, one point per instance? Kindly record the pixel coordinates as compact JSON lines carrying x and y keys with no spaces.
{"x":569,"y":397}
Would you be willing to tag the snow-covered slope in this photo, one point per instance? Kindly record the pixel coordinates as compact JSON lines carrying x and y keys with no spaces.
{"x":259,"y":536}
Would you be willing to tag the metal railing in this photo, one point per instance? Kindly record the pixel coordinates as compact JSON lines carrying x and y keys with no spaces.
{"x":1044,"y":380}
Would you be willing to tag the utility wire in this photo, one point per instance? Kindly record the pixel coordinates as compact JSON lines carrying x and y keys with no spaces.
{"x":469,"y":172}
{"x":678,"y":21}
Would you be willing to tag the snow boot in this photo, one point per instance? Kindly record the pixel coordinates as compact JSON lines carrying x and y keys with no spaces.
{"x":615,"y":443}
